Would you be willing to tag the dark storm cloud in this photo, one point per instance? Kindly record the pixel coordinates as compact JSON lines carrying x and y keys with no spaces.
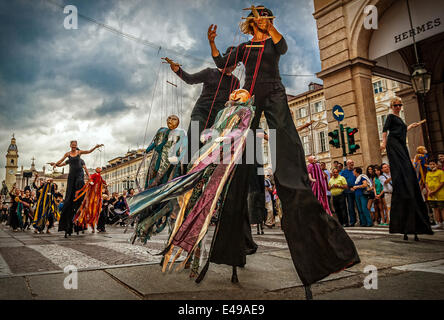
{"x":113,"y":107}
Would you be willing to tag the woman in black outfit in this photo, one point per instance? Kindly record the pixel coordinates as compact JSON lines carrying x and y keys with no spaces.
{"x":318,"y":244}
{"x":408,"y":214}
{"x":75,"y":182}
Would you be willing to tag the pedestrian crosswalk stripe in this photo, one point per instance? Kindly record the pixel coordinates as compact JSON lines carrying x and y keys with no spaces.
{"x":4,"y":268}
{"x":436,"y":266}
{"x":367,"y":231}
{"x":131,"y":249}
{"x":274,"y":244}
{"x":64,"y":256}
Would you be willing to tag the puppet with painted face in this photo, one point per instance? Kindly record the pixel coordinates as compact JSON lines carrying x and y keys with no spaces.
{"x":168,"y":148}
{"x":89,"y":211}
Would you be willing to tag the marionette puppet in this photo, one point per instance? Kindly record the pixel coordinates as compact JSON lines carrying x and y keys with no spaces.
{"x":89,"y":211}
{"x":420,"y":163}
{"x":202,"y":191}
{"x":169,"y":147}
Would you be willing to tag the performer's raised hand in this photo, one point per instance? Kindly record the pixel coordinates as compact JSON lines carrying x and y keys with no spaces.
{"x":212,"y":32}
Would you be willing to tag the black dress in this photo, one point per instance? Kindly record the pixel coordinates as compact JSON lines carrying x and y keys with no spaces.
{"x":408,"y":213}
{"x":75,"y":182}
{"x":318,"y":244}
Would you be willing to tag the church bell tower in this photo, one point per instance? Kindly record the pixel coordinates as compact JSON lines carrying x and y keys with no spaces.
{"x":11,"y":164}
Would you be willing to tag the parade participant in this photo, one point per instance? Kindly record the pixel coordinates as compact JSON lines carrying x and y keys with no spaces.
{"x":318,"y":244}
{"x":408,"y":213}
{"x":27,"y":210}
{"x":104,"y":213}
{"x":14,"y":222}
{"x":91,"y":207}
{"x":46,"y":210}
{"x":75,"y":182}
{"x":218,"y":83}
{"x":318,"y":182}
{"x":435,"y":192}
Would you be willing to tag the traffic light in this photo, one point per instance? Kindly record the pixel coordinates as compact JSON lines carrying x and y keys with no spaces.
{"x":334,"y":135}
{"x":352,"y":146}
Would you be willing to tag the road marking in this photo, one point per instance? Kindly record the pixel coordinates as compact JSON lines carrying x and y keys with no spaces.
{"x":436,"y":266}
{"x":128,"y":248}
{"x":367,"y":232}
{"x":280,"y":245}
{"x":4,"y":268}
{"x":64,"y":256}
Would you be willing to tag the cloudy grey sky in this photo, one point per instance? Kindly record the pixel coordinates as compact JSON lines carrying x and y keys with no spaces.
{"x":94,"y":86}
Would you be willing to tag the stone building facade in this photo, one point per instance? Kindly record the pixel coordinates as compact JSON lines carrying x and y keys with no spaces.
{"x":352,"y":55}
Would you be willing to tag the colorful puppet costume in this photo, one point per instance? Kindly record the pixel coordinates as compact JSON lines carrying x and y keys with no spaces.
{"x":89,"y":211}
{"x":169,"y":147}
{"x":420,"y":163}
{"x":202,"y":191}
{"x":46,"y":207}
{"x":319,"y":186}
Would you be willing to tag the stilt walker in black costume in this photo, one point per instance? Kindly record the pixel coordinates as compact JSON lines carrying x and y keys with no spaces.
{"x":408,"y":214}
{"x":318,"y":244}
{"x":75,"y":182}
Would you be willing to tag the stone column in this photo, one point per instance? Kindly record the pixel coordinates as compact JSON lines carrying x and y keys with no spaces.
{"x":415,"y":136}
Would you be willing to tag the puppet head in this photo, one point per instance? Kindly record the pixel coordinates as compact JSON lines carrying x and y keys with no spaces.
{"x":421,"y":150}
{"x":98,"y":170}
{"x":173,"y":122}
{"x":311,"y":159}
{"x":240,"y":95}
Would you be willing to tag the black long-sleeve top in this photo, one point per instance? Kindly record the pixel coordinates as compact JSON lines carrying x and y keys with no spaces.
{"x":269,"y":63}
{"x":210,"y":78}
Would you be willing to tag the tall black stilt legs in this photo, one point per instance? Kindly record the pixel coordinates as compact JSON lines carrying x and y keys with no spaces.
{"x":234,"y":278}
{"x":308,"y":294}
{"x":258,"y":228}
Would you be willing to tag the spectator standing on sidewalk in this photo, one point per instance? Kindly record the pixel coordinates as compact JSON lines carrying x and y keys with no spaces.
{"x":347,"y":173}
{"x":435,"y":192}
{"x":362,"y":182}
{"x":380,"y":206}
{"x":441,"y":161}
{"x":327,"y":176}
{"x":370,"y":193}
{"x":270,"y":222}
{"x":386,"y":180}
{"x":337,"y":184}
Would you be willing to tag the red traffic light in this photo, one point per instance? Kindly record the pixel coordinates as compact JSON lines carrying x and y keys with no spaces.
{"x":352,"y":131}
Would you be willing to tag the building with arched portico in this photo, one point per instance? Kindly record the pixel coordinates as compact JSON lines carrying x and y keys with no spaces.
{"x":351,"y":55}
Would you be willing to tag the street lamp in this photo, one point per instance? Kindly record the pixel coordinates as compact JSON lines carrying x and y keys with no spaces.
{"x":421,"y":79}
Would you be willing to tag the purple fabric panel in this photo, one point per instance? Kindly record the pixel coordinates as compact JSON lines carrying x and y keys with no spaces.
{"x":188,"y":232}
